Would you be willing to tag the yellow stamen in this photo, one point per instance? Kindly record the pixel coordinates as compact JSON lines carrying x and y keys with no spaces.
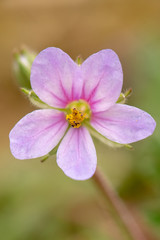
{"x":75,"y":118}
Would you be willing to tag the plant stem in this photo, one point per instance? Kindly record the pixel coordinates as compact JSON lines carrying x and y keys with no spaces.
{"x":125,"y":217}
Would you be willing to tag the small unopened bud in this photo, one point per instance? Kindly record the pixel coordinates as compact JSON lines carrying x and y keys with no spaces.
{"x":22,"y":63}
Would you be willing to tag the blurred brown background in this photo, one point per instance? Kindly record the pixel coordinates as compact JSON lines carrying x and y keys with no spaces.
{"x":37,"y":201}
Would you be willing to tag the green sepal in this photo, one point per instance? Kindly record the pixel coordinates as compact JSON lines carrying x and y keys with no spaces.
{"x":54,"y":150}
{"x":123,"y":96}
{"x":79,"y":60}
{"x":51,"y":153}
{"x":34,"y":99}
{"x":45,"y":158}
{"x":103,"y":139}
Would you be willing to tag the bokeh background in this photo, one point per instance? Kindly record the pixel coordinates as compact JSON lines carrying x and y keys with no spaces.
{"x":37,"y":201}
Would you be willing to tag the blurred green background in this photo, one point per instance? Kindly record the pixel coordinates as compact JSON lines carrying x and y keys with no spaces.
{"x":37,"y":201}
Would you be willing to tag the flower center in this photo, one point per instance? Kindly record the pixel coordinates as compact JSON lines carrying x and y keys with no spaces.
{"x":78,"y":112}
{"x":75,"y":118}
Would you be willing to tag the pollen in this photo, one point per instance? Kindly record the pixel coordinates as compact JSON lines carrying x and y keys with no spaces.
{"x":76,"y":118}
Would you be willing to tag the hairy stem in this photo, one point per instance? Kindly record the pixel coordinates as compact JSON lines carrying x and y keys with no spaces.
{"x":118,"y":207}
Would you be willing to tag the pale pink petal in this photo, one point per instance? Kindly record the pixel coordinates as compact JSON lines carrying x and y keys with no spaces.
{"x":76,"y":154}
{"x":55,"y":77}
{"x":37,"y":133}
{"x":103,"y":77}
{"x":123,"y":124}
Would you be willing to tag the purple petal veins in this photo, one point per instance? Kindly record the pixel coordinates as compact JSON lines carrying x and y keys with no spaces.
{"x":37,"y":133}
{"x":123,"y":124}
{"x":103,"y":78}
{"x":55,"y":77}
{"x":76,"y":154}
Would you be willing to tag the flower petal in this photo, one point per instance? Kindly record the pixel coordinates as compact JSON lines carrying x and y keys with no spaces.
{"x":123,"y":124}
{"x":55,"y":77}
{"x":103,"y":78}
{"x":76,"y":154}
{"x":37,"y":133}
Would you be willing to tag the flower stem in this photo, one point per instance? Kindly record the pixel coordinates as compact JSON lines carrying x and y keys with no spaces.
{"x":118,"y":207}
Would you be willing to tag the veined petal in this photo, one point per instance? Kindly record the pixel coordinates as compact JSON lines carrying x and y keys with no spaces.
{"x":103,"y":78}
{"x":55,"y":77}
{"x":123,"y":124}
{"x":76,"y":154}
{"x":37,"y":133}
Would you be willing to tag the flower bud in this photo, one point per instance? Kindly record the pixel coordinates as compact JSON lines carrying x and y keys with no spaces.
{"x":22,"y":63}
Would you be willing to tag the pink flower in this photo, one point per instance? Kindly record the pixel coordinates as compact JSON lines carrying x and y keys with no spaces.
{"x":87,"y":93}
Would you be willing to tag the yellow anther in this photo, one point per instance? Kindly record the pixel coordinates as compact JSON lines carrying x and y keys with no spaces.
{"x":75,"y":118}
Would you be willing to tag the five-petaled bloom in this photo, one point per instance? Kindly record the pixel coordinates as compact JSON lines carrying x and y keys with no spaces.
{"x":87,"y":93}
